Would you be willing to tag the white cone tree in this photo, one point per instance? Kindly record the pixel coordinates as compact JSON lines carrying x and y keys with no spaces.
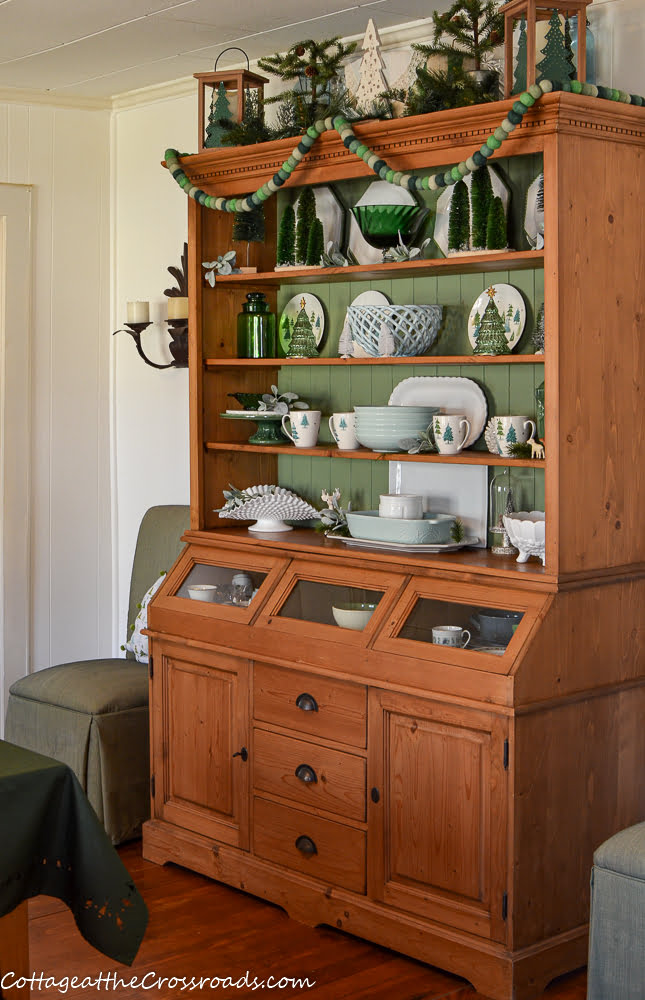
{"x":372,"y":82}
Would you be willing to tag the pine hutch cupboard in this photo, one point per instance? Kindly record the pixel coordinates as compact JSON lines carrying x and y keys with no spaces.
{"x":444,"y":802}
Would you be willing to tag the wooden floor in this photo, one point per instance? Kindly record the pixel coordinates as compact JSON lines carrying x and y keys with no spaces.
{"x":199,"y":928}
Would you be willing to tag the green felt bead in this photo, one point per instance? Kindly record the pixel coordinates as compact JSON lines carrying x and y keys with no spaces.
{"x":425,"y":183}
{"x":291,"y":162}
{"x":448,"y":178}
{"x":507,"y":126}
{"x":389,"y":177}
{"x":519,"y":108}
{"x":320,"y":126}
{"x":361,"y":150}
{"x":492,"y":142}
{"x":397,"y":176}
{"x":312,"y":132}
{"x":535,"y":91}
{"x":624,"y":97}
{"x":576,"y":86}
{"x":615,"y":94}
{"x":353,"y":146}
{"x":527,"y":99}
{"x":499,"y":134}
{"x":454,"y":174}
{"x":383,"y":173}
{"x":590,"y":89}
{"x":288,"y":169}
{"x":463,"y":168}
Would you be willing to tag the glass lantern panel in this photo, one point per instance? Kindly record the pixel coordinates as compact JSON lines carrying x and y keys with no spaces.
{"x":331,"y":604}
{"x":470,"y":626}
{"x":221,"y":584}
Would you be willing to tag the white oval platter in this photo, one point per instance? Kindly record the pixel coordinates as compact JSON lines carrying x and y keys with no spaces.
{"x":452,"y":394}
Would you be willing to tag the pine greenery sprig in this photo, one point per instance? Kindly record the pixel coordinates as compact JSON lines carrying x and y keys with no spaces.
{"x":319,"y":62}
{"x":470,"y":28}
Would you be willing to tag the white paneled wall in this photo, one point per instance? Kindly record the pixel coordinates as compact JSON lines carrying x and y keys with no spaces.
{"x":65,"y":155}
{"x":151,"y":407}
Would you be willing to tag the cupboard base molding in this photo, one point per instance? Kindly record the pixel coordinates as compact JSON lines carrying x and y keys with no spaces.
{"x":494,"y":971}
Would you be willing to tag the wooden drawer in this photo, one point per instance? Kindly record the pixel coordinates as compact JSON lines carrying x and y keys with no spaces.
{"x":327,"y":779}
{"x":339,"y":855}
{"x":330,"y":709}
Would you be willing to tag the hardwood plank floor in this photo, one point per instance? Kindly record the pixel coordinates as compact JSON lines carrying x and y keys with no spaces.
{"x":199,"y":928}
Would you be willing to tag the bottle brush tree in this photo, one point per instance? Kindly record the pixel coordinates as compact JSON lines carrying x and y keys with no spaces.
{"x":459,"y":218}
{"x":286,"y":249}
{"x":315,"y":243}
{"x":248,"y":227}
{"x":481,"y":195}
{"x":496,"y":238}
{"x":306,"y":215}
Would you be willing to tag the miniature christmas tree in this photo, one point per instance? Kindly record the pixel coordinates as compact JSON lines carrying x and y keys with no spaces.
{"x":286,"y":249}
{"x":481,"y":196}
{"x":220,"y":112}
{"x":554,"y":66}
{"x":248,"y":227}
{"x":306,"y":214}
{"x":315,"y":243}
{"x":372,"y":82}
{"x":459,"y":218}
{"x":303,"y":341}
{"x":496,"y":227}
{"x":568,"y":48}
{"x":538,"y":335}
{"x":315,"y":65}
{"x":519,"y":79}
{"x":470,"y":29}
{"x":492,"y":334}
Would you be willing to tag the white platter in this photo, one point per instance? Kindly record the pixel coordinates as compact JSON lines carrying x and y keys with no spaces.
{"x":452,"y":394}
{"x":368,"y":543}
{"x":505,"y":297}
{"x":371,"y":298}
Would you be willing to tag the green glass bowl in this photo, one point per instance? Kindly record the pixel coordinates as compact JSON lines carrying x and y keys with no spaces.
{"x":381,"y":224}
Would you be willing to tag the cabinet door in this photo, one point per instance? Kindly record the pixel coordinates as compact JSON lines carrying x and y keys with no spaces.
{"x":437,"y":811}
{"x":200,"y":722}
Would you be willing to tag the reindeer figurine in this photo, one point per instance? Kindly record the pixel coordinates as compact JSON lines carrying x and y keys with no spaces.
{"x":537,"y":448}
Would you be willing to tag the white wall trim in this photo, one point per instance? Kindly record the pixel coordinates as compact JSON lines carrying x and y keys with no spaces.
{"x":14,"y":95}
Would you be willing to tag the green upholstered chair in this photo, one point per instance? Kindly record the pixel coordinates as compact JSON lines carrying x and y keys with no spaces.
{"x":93,"y":714}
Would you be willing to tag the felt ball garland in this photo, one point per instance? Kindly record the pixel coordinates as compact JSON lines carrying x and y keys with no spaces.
{"x":381,"y":168}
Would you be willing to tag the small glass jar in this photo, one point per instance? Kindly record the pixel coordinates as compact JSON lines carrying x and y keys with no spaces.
{"x":256,"y":328}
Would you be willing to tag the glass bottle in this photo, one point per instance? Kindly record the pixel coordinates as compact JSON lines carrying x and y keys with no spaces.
{"x":500,"y":503}
{"x":590,"y":49}
{"x":256,"y":328}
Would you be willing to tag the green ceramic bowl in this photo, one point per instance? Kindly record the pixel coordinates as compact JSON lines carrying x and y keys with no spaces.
{"x":432,"y":529}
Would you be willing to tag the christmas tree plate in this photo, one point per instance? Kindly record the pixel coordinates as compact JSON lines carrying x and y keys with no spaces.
{"x":304,"y":316}
{"x":497,"y":320}
{"x":452,"y":394}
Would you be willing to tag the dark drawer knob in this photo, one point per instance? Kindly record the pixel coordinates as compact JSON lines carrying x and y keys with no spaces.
{"x":307,"y":702}
{"x":306,"y":846}
{"x":306,"y":774}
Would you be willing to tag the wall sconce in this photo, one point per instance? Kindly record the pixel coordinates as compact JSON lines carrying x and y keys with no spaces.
{"x":138,"y":319}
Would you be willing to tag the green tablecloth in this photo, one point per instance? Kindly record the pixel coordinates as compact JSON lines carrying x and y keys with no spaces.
{"x":51,"y":842}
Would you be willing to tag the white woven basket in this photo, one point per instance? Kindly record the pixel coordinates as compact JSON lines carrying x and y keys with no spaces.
{"x":397,"y":331}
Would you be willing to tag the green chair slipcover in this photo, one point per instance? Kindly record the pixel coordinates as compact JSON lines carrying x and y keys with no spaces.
{"x":93,"y":714}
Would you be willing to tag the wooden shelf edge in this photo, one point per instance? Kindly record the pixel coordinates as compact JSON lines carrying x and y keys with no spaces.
{"x":510,"y":260}
{"x":424,"y":359}
{"x":327,"y":451}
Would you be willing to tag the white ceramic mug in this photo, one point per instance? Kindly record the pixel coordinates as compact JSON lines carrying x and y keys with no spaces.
{"x":512,"y":430}
{"x":404,"y":505}
{"x":451,"y":431}
{"x":343,"y":430}
{"x":305,"y":425}
{"x":450,"y":635}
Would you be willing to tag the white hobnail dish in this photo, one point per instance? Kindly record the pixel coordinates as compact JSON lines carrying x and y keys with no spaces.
{"x":526,"y":530}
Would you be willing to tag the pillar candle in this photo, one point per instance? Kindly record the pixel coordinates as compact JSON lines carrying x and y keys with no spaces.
{"x":177,"y":307}
{"x":138,"y":312}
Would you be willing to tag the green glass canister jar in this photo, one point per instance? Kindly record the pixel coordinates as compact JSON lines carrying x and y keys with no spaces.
{"x":256,"y":328}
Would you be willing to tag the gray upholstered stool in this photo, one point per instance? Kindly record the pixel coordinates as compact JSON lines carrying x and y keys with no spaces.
{"x":617,"y":926}
{"x":93,"y":714}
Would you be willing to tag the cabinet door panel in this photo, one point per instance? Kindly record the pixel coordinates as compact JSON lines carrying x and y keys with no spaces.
{"x":437,"y":833}
{"x":200,"y":718}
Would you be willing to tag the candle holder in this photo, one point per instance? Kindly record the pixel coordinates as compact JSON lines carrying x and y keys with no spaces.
{"x":177,"y":325}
